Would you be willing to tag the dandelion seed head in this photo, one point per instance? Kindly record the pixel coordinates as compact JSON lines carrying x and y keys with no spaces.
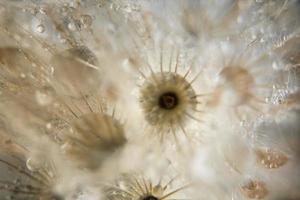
{"x":255,"y":190}
{"x":166,"y":98}
{"x":95,"y":134}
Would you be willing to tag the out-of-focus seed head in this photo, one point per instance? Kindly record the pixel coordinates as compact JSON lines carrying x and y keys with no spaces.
{"x":270,"y":158}
{"x":239,"y":81}
{"x":95,"y":136}
{"x":137,"y":187}
{"x":254,"y":189}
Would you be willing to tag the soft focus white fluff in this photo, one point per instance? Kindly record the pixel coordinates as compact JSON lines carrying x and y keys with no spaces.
{"x":127,"y":36}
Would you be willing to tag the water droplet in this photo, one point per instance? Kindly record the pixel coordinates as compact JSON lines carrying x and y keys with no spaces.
{"x":72,"y":26}
{"x":51,"y":70}
{"x":262,"y":40}
{"x":34,"y":164}
{"x":44,"y":96}
{"x":48,"y":125}
{"x":275,"y":66}
{"x":40,"y":28}
{"x":267,"y":100}
{"x":271,"y":166}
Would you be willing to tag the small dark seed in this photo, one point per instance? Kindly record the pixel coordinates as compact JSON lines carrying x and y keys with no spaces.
{"x":168,"y":100}
{"x":150,"y":197}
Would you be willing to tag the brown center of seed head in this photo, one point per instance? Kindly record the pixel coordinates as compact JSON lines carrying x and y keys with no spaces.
{"x":53,"y":197}
{"x":150,"y":197}
{"x":168,"y":100}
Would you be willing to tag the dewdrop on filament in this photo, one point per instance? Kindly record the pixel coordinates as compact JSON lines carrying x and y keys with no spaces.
{"x":40,"y":28}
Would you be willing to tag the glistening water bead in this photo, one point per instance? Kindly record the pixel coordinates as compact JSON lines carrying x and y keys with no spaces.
{"x":40,"y":28}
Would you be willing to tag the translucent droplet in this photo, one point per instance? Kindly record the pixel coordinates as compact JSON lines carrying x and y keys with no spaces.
{"x":239,"y":20}
{"x":44,"y":96}
{"x":267,"y":100}
{"x":275,"y":66}
{"x":51,"y":70}
{"x":48,"y":125}
{"x":40,"y":28}
{"x":72,"y":26}
{"x":86,"y":21}
{"x":33,"y":164}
